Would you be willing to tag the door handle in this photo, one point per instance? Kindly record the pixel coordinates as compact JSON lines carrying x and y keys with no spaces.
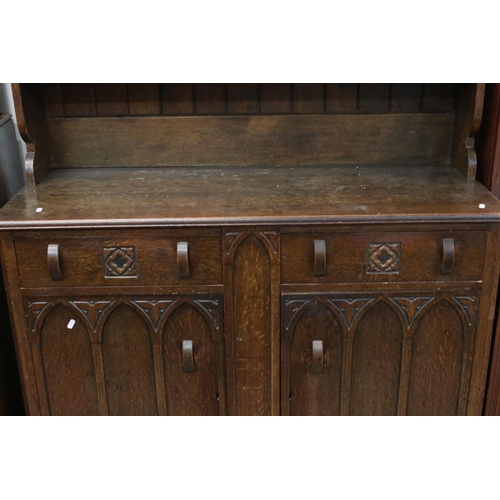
{"x":54,"y":262}
{"x":319,"y":257}
{"x":187,"y":356}
{"x":317,"y":355}
{"x":183,"y":259}
{"x":448,"y":255}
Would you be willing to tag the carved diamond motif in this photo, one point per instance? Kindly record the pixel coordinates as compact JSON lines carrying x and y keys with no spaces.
{"x":119,"y":262}
{"x":383,"y":258}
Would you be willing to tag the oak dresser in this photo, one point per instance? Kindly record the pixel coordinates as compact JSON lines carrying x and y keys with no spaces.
{"x":251,"y":249}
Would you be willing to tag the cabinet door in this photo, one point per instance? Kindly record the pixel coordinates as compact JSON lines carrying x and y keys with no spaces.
{"x":378,"y":353}
{"x":125,"y":356}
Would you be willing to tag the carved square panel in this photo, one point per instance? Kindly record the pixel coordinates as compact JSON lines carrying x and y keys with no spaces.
{"x":383,"y":258}
{"x":119,"y":262}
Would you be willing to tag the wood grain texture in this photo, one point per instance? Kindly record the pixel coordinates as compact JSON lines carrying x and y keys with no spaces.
{"x":78,"y":99}
{"x":484,"y":328}
{"x":300,"y":140}
{"x":438,"y":97}
{"x":251,"y":306}
{"x":488,"y":173}
{"x":469,"y":111}
{"x":177,"y":98}
{"x":196,"y":393}
{"x":68,"y":365}
{"x":243,"y":98}
{"x":376,"y":363}
{"x":310,"y":393}
{"x":341,"y":97}
{"x":30,"y":111}
{"x":159,"y":197}
{"x":210,"y":98}
{"x":436,"y":366}
{"x":111,"y":99}
{"x":53,"y":99}
{"x":374,"y":97}
{"x":18,"y":322}
{"x":83,"y":263}
{"x":128,"y":364}
{"x":276,"y":98}
{"x":421,"y":257}
{"x":406,"y":97}
{"x":308,"y":98}
{"x":143,"y":98}
{"x":488,"y":140}
{"x":11,"y":399}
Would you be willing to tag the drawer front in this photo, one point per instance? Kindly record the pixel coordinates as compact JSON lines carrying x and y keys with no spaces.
{"x":117,"y":258}
{"x":383,"y":257}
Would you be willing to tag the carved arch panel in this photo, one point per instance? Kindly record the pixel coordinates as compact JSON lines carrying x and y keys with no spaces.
{"x":196,"y":386}
{"x":251,"y":280}
{"x":64,"y":353}
{"x":113,"y":351}
{"x":127,"y":355}
{"x":393,"y":345}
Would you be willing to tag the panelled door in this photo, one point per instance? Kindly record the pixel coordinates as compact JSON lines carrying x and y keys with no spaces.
{"x":377,"y":353}
{"x":128,"y":356}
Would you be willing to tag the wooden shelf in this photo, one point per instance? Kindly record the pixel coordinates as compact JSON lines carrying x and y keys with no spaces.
{"x":201,"y":196}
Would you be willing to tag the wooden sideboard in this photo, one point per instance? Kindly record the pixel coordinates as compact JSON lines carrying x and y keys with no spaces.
{"x":246,"y":249}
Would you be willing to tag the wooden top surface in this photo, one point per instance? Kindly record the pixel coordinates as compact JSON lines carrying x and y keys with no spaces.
{"x":201,"y":196}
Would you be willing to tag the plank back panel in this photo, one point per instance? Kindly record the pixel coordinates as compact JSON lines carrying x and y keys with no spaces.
{"x":120,"y":99}
{"x":341,"y":97}
{"x":78,"y":99}
{"x":373,"y":97}
{"x":111,"y":99}
{"x":177,"y":99}
{"x":308,"y":98}
{"x":143,"y":98}
{"x":242,"y":98}
{"x":300,"y":140}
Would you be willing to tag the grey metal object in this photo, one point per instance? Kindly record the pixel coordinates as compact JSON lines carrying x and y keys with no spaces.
{"x":11,"y":171}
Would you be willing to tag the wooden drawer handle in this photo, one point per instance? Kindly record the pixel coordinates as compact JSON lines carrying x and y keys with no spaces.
{"x":183,"y":259}
{"x":319,"y":257}
{"x":317,"y":348}
{"x":187,"y":356}
{"x":54,"y":263}
{"x":448,"y":255}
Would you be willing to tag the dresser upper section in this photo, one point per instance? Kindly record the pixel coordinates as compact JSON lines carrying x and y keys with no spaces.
{"x":247,"y":125}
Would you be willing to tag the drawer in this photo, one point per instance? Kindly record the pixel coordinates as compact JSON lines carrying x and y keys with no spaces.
{"x":119,"y":258}
{"x":383,"y":257}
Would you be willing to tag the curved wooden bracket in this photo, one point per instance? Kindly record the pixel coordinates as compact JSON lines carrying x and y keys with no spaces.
{"x":469,"y":101}
{"x":317,"y":356}
{"x":187,"y":356}
{"x":183,"y":259}
{"x":448,"y":255}
{"x":319,"y":257}
{"x":53,"y":263}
